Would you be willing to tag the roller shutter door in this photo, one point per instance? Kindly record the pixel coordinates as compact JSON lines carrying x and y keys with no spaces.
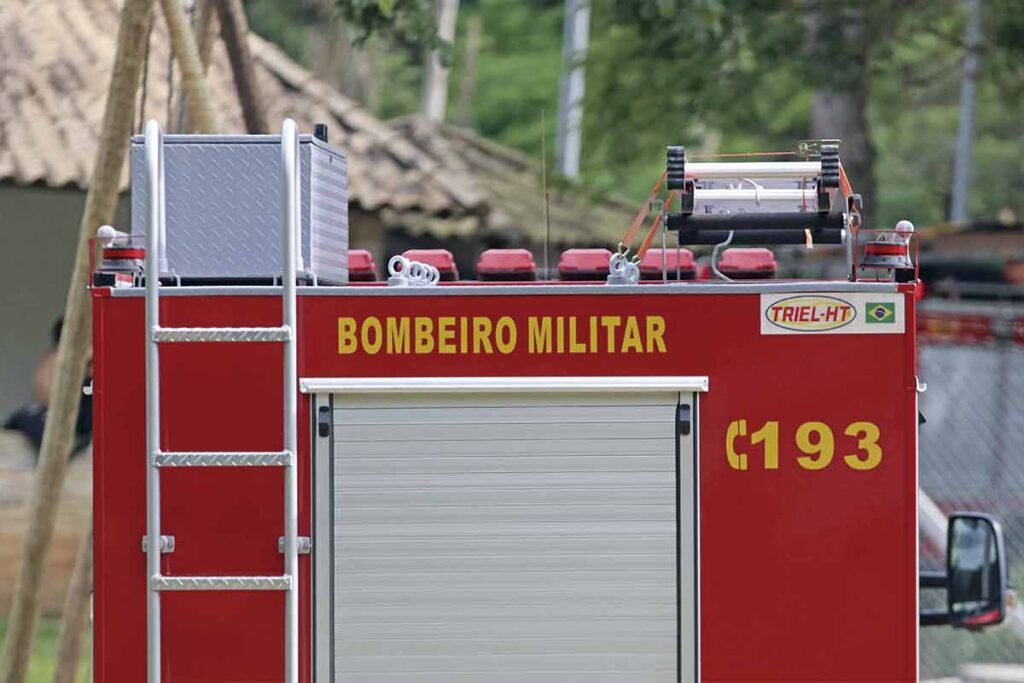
{"x":505,"y":537}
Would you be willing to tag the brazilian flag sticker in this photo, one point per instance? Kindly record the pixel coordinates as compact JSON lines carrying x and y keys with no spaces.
{"x":879,"y":312}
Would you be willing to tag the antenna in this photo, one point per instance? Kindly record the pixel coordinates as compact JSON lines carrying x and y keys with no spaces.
{"x":544,"y":188}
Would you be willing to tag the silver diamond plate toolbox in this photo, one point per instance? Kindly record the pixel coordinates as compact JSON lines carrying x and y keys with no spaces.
{"x":224,"y":206}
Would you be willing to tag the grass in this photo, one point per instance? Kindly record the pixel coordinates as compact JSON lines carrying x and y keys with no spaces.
{"x":44,"y":653}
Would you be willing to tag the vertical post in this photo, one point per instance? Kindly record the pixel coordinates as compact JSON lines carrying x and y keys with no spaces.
{"x":544,"y":189}
{"x":965,"y":133}
{"x":161,"y":232}
{"x":663,"y":212}
{"x":75,"y":341}
{"x":205,"y":31}
{"x":289,"y":231}
{"x":474,"y":36}
{"x":154,"y":177}
{"x":575,"y":38}
{"x":76,"y":613}
{"x":435,"y":90}
{"x":193,"y":83}
{"x":234,"y":29}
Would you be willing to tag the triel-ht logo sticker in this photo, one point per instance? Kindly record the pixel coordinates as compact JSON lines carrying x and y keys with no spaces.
{"x":811,"y":313}
{"x":804,"y":313}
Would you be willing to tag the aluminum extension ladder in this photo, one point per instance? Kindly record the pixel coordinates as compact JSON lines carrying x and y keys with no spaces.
{"x":158,"y":458}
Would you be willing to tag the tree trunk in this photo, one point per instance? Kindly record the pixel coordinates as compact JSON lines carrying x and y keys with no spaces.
{"x":186,"y":53}
{"x":837,"y":41}
{"x":965,"y":127}
{"x":843,"y":115}
{"x":435,"y":83}
{"x":474,"y":33}
{"x":76,"y":614}
{"x":336,"y":60}
{"x":234,"y":29}
{"x":206,"y":30}
{"x":73,"y":349}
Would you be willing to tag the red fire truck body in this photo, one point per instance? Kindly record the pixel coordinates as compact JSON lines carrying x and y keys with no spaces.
{"x":795,"y":550}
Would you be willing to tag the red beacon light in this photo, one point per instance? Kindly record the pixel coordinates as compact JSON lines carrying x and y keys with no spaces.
{"x":584,"y":264}
{"x":441,"y":259}
{"x":748,"y":264}
{"x":495,"y":265}
{"x":122,"y":263}
{"x":890,"y":250}
{"x":361,"y":267}
{"x":679,"y":264}
{"x":130,"y":258}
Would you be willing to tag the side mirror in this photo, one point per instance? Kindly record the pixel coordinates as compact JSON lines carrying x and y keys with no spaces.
{"x":975,"y":571}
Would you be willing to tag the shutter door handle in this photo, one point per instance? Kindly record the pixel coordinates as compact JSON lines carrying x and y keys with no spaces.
{"x":323,"y":421}
{"x":683,"y":420}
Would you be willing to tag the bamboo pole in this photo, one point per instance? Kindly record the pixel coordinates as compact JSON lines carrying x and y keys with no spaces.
{"x":186,"y":53}
{"x":206,"y":30}
{"x":76,"y":613}
{"x":234,"y":29}
{"x":73,"y":349}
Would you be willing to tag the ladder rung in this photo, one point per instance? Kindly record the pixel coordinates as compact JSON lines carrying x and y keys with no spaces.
{"x":222,"y":459}
{"x":222,"y":334}
{"x":220,"y":583}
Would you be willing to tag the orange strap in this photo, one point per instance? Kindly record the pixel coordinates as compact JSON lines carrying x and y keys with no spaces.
{"x":847,"y":189}
{"x":655,"y":225}
{"x":634,"y":227}
{"x":844,"y":182}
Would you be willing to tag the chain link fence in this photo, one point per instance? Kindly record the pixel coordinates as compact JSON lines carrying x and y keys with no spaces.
{"x":972,"y":457}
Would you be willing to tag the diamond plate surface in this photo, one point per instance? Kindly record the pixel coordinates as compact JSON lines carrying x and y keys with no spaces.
{"x":220,"y":583}
{"x":222,"y":334}
{"x":224,"y":206}
{"x":222,"y":459}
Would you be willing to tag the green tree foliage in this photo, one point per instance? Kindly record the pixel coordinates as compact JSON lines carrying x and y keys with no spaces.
{"x":407,"y":23}
{"x":518,"y":72}
{"x":914,"y":106}
{"x":724,"y":76}
{"x":664,"y":72}
{"x":286,"y":22}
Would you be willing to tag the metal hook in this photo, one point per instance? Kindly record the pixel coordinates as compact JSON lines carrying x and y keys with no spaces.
{"x":757,"y":190}
{"x":406,"y":273}
{"x":397,"y":265}
{"x":714,"y":258}
{"x":623,"y":271}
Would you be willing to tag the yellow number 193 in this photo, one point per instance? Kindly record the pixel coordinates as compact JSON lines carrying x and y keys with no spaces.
{"x":816,"y":441}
